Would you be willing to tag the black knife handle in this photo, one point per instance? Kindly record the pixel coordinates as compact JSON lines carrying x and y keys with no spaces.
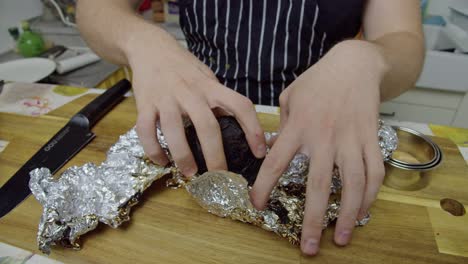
{"x":105,"y":102}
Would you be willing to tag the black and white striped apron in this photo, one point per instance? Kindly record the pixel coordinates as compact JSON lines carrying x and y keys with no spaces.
{"x":258,"y":47}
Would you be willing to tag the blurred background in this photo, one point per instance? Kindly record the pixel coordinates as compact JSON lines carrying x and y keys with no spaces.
{"x":440,"y":96}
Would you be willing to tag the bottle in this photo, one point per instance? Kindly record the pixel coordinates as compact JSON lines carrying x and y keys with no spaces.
{"x":29,"y":43}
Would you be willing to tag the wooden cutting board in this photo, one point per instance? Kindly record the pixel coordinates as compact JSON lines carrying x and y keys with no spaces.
{"x":407,"y":225}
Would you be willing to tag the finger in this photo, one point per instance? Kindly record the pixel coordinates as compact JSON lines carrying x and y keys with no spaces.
{"x":273,"y":166}
{"x":218,"y":112}
{"x":207,"y":71}
{"x":317,"y":195}
{"x":173,"y":130}
{"x":375,"y":173}
{"x":283,"y":117}
{"x":244,"y":111}
{"x":284,"y":112}
{"x":208,"y":132}
{"x":146,"y":129}
{"x":353,"y":177}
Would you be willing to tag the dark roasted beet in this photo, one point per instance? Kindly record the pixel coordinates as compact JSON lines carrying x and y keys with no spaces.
{"x":239,"y":157}
{"x":279,"y":210}
{"x":295,"y":189}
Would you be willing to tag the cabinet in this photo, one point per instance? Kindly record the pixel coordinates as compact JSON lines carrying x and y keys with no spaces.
{"x":428,"y":106}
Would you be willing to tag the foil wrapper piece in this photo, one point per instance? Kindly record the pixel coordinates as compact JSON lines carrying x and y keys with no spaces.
{"x":226,"y":194}
{"x":222,"y":199}
{"x":388,"y":140}
{"x":86,"y":195}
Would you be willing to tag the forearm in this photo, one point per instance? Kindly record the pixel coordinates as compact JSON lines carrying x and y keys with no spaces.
{"x":111,"y":27}
{"x":396,"y":59}
{"x":404,"y":54}
{"x":394,"y":27}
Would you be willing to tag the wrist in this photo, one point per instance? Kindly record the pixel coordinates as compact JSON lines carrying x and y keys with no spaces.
{"x":144,"y":37}
{"x":359,"y":56}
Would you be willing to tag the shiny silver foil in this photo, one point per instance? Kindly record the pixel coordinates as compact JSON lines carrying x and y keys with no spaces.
{"x":86,"y":195}
{"x":226,"y":194}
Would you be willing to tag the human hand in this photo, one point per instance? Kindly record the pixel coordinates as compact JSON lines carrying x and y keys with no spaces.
{"x":330,"y":113}
{"x":170,"y":83}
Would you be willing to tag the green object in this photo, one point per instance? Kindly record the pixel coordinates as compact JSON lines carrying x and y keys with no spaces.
{"x":30,"y":44}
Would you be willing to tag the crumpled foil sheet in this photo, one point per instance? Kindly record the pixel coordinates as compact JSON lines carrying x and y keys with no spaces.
{"x":86,"y":195}
{"x":225,"y":194}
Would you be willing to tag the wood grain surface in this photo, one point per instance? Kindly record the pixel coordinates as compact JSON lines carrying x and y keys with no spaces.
{"x":407,"y":225}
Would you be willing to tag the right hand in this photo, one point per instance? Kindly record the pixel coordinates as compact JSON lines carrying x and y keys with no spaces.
{"x":170,"y":83}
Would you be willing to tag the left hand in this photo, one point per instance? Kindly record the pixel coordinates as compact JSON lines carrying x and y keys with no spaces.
{"x":330,"y":113}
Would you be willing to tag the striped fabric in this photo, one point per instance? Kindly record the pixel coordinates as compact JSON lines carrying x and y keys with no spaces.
{"x":258,"y":47}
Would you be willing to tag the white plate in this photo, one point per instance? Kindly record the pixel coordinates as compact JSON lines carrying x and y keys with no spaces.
{"x":26,"y":70}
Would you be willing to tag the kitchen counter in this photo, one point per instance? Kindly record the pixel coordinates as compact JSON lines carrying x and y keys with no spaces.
{"x":93,"y":75}
{"x":88,"y":76}
{"x":169,"y":227}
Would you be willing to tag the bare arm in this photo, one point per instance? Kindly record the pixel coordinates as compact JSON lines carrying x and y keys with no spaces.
{"x":394,"y":45}
{"x":109,"y":26}
{"x":395,"y":28}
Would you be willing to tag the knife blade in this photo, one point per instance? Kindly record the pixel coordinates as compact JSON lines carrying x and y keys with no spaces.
{"x":65,"y":144}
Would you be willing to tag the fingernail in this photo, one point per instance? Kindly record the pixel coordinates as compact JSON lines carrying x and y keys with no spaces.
{"x":261,"y":149}
{"x":258,"y":205}
{"x":161,"y":162}
{"x":343,"y":237}
{"x":190,"y":171}
{"x":310,"y":247}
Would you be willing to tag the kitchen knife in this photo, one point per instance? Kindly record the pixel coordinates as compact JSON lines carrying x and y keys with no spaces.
{"x":75,"y":135}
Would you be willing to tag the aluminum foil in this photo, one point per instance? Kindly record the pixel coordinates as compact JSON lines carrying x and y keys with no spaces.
{"x":86,"y":195}
{"x":226,"y":194}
